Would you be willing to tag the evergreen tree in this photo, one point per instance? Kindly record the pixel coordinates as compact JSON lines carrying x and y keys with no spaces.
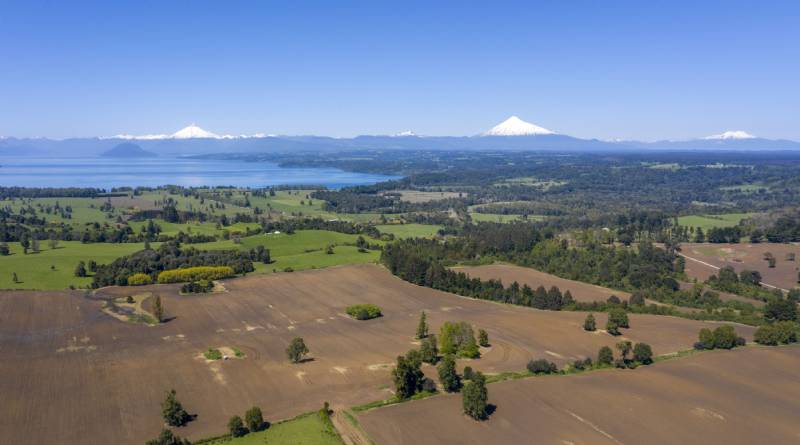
{"x":429,"y":351}
{"x":172,"y":410}
{"x":236,"y":427}
{"x":407,"y":375}
{"x":475,"y":397}
{"x":422,"y":328}
{"x":589,"y":324}
{"x":448,"y":375}
{"x":483,"y":338}
{"x":254,"y":419}
{"x":80,"y":269}
{"x":158,"y":309}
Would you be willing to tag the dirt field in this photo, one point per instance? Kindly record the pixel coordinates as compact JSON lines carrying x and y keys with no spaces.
{"x":417,"y":196}
{"x":95,"y":379}
{"x":743,"y":256}
{"x":745,"y":396}
{"x":534,"y":278}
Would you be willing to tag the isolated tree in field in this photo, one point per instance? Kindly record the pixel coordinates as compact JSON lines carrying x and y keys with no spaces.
{"x":14,"y":277}
{"x":643,"y":353}
{"x":158,"y":309}
{"x":422,"y":327}
{"x":705,"y":339}
{"x":80,"y":269}
{"x":483,"y":338}
{"x":4,"y":249}
{"x":167,"y":437}
{"x":254,"y":419}
{"x":36,"y":247}
{"x":605,"y":357}
{"x":297,"y":350}
{"x":429,"y":352}
{"x":407,"y":376}
{"x":236,"y":427}
{"x":448,"y":375}
{"x":475,"y":397}
{"x":589,"y":324}
{"x":172,"y":410}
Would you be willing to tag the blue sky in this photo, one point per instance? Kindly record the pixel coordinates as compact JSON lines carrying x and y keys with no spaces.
{"x":645,"y":70}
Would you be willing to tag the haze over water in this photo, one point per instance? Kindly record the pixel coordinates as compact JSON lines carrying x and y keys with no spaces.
{"x":107,"y":173}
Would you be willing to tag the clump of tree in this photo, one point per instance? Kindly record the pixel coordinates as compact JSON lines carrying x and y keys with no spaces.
{"x":778,"y":333}
{"x":364,"y":311}
{"x":605,"y":356}
{"x":617,"y":318}
{"x":429,"y":351}
{"x":296,"y":350}
{"x":236,"y":427}
{"x":475,"y":397}
{"x":196,"y":287}
{"x":172,"y":410}
{"x":458,"y":339}
{"x":722,"y":337}
{"x":542,"y":366}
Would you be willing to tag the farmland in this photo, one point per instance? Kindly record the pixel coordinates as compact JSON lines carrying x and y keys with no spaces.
{"x":66,"y":357}
{"x":733,"y":397}
{"x":534,"y":278}
{"x":709,"y":257}
{"x":707,"y":222}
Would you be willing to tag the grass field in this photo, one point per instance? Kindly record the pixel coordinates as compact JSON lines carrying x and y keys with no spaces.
{"x":307,"y":429}
{"x":305,"y":249}
{"x":410,"y":230}
{"x":710,"y":221}
{"x":35,"y":272}
{"x":492,"y":217}
{"x":196,"y":227}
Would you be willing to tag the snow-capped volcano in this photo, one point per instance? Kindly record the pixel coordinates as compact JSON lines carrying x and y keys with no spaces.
{"x":514,"y":126}
{"x":193,"y":132}
{"x":737,"y":134}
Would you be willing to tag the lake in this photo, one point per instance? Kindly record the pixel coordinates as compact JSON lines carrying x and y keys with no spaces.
{"x":106,"y":173}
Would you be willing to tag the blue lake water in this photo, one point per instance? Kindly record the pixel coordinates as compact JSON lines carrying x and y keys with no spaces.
{"x":106,"y":173}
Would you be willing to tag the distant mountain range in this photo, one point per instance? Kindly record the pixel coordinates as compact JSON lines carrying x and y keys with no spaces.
{"x":128,"y":150}
{"x":511,"y":134}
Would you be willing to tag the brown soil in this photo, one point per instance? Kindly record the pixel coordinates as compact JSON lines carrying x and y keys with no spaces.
{"x":98,"y":380}
{"x":534,"y":278}
{"x":743,"y":256}
{"x":745,"y":396}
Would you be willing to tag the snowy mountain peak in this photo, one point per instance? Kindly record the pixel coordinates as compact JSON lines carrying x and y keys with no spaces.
{"x":738,"y":134}
{"x":406,"y":133}
{"x":192,"y":132}
{"x":514,"y":126}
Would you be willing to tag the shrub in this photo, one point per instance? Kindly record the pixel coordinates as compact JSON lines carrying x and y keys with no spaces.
{"x":168,"y":438}
{"x":296,"y":350}
{"x":428,"y":350}
{"x":213,"y":354}
{"x":483,"y":338}
{"x":612,"y":328}
{"x":197,"y":287}
{"x":620,"y":317}
{"x":468,"y":373}
{"x":364,"y":311}
{"x":139,"y":279}
{"x":580,"y":365}
{"x":723,"y":337}
{"x":236,"y":427}
{"x":195,"y":274}
{"x":428,"y":385}
{"x":542,"y":366}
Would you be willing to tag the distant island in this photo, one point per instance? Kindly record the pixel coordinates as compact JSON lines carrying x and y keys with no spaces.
{"x":128,"y":150}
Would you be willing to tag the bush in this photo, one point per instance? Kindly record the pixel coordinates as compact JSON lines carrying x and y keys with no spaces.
{"x":620,"y":317}
{"x":236,"y":427}
{"x":612,"y":328}
{"x":198,"y":273}
{"x":213,"y":354}
{"x":723,"y":337}
{"x":364,"y":311}
{"x":589,"y":324}
{"x":483,"y":338}
{"x":542,"y":366}
{"x":254,"y":419}
{"x":428,"y":385}
{"x":447,"y":374}
{"x":581,"y":365}
{"x":468,"y":373}
{"x":168,"y":438}
{"x":139,"y":279}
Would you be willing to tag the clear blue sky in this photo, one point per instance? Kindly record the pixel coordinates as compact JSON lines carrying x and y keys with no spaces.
{"x":606,"y":69}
